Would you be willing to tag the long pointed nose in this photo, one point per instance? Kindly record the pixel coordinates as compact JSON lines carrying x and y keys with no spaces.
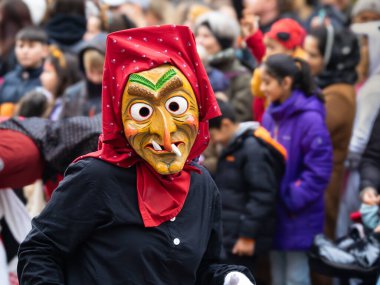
{"x":163,"y":126}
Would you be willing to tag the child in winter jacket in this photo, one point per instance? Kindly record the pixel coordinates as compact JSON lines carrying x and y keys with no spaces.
{"x":296,"y":119}
{"x":249,"y":172}
{"x":31,"y":49}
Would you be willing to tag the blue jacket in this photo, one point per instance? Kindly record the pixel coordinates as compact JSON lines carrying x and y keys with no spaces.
{"x":18,"y":82}
{"x":299,"y":125}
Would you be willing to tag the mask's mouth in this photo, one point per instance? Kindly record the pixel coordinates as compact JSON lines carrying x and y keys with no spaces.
{"x":160,"y":149}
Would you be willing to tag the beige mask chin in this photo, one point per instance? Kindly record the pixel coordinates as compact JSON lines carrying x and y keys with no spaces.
{"x":160,"y":117}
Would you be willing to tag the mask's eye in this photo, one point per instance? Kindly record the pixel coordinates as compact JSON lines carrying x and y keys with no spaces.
{"x":141,"y":111}
{"x":176,"y":105}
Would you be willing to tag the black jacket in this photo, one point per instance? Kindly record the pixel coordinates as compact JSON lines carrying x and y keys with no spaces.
{"x":66,"y":31}
{"x":370,"y":165}
{"x":248,"y":176}
{"x":91,"y":232}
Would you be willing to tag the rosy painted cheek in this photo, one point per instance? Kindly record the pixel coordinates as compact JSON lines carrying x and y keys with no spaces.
{"x":130,"y":131}
{"x":191,"y":120}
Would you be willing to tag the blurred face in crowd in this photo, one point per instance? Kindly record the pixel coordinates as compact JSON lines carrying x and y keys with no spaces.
{"x":94,"y":75}
{"x":273,"y":88}
{"x":206,"y":39}
{"x":49,"y":77}
{"x":94,"y":25}
{"x":299,"y":4}
{"x":160,"y":117}
{"x":313,"y":56}
{"x":260,"y":7}
{"x":223,"y":135}
{"x":93,"y":62}
{"x":274,"y":47}
{"x":30,"y":54}
{"x":342,"y":5}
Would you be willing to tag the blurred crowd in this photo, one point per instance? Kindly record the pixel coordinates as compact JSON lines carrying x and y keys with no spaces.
{"x":307,"y":71}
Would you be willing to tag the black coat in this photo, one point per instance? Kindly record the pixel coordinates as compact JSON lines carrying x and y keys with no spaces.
{"x":248,"y":176}
{"x":91,"y":232}
{"x":370,"y":165}
{"x":66,"y":31}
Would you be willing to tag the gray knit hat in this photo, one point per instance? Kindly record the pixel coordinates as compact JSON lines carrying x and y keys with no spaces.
{"x":366,"y":5}
{"x":225,"y":29}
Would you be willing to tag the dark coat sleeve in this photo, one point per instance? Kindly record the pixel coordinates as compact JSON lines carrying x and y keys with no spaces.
{"x":262,"y":188}
{"x":370,"y":166}
{"x":77,"y":207}
{"x":210,"y":271}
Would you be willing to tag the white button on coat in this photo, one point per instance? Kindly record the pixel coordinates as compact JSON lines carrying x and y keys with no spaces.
{"x":172,"y":219}
{"x":176,"y":241}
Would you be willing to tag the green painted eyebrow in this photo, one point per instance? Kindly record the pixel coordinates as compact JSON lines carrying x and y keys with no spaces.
{"x":147,"y":83}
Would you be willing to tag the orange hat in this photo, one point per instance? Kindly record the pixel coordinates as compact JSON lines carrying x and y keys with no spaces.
{"x":287,"y":32}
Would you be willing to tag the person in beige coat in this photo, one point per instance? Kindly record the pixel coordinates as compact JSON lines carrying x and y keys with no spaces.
{"x":333,"y":56}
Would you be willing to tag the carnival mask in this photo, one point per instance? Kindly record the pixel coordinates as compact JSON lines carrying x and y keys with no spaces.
{"x":160,"y":117}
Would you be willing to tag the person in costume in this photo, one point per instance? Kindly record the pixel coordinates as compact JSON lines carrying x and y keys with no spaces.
{"x":140,"y":210}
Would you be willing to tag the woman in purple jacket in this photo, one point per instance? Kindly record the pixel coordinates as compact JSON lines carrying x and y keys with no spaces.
{"x":296,"y":119}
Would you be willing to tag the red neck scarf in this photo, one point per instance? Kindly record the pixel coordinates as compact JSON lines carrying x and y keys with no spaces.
{"x":160,"y":197}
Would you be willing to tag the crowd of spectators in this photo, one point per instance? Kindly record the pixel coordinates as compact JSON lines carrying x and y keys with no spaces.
{"x":295,"y":152}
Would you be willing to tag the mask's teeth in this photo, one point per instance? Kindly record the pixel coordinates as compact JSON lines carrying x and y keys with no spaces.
{"x":176,"y":150}
{"x":156,"y":146}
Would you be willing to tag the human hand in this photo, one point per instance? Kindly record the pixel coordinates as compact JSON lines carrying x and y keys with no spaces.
{"x":369,"y":196}
{"x":318,"y":22}
{"x":236,"y":278}
{"x":249,"y":23}
{"x":244,"y":247}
